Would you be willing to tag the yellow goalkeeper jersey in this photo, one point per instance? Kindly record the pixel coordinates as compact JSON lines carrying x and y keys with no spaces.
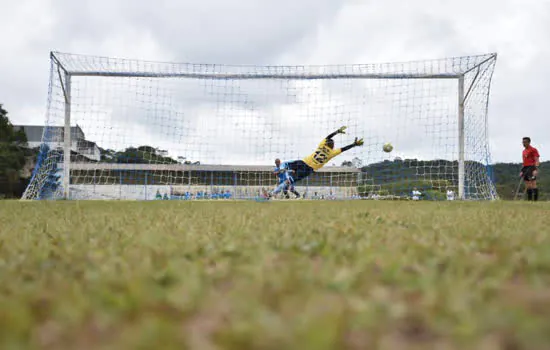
{"x":321,"y":156}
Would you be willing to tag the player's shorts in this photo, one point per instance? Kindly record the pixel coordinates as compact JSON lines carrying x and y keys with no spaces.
{"x":300,"y":170}
{"x":528,"y":173}
{"x":290,"y":186}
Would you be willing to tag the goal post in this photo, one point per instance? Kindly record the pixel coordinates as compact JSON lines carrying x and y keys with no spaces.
{"x":67,"y":137}
{"x":461,"y":137}
{"x":132,"y":129}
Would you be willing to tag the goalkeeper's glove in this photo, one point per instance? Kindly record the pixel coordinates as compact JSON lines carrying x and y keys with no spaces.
{"x":342,"y":130}
{"x":358,"y":142}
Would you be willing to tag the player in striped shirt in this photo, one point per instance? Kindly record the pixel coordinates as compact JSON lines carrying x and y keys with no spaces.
{"x":285,"y":181}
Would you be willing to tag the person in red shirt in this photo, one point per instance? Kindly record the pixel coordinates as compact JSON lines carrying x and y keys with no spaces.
{"x":530,"y":170}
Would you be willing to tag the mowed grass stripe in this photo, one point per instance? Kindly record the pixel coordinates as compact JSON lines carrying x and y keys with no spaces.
{"x":287,"y":275}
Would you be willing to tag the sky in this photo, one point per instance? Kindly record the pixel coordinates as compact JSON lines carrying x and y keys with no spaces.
{"x":290,"y":32}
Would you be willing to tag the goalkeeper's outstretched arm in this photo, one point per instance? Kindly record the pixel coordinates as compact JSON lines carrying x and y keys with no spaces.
{"x":342,"y":130}
{"x":357,"y":142}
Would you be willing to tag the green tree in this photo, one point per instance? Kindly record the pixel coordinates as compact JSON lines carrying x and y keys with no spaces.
{"x":13,"y":152}
{"x":107,"y":155}
{"x":507,"y":180}
{"x":141,"y":154}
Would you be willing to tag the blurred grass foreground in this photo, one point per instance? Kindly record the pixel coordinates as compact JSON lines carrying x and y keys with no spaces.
{"x":286,"y":275}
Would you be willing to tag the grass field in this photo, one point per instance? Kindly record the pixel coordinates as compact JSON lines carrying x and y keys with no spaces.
{"x":287,"y":275}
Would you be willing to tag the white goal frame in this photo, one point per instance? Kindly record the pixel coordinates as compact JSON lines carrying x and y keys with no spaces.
{"x":66,"y":74}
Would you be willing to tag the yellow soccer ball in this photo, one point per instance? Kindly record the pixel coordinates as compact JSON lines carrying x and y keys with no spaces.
{"x":387,"y":147}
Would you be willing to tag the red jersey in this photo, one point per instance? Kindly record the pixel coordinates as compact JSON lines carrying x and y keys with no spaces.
{"x":529,"y":155}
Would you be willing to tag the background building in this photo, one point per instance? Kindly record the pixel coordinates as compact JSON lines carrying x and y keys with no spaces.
{"x":79,"y":144}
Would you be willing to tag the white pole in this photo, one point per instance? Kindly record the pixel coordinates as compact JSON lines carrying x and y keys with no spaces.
{"x":461,"y":194}
{"x":145,"y":185}
{"x":67,"y":138}
{"x":120,"y":184}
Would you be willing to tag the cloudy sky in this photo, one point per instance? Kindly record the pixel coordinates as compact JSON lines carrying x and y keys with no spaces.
{"x":291,"y":32}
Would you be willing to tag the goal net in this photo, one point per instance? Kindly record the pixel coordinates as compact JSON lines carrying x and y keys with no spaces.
{"x":130,"y":129}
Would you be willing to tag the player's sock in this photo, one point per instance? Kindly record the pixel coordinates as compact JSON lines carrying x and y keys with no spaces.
{"x":535,"y":194}
{"x":529,"y":194}
{"x":296,"y":193}
{"x":280,"y":187}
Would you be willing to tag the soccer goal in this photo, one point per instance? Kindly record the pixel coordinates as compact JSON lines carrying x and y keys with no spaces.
{"x":131,"y":129}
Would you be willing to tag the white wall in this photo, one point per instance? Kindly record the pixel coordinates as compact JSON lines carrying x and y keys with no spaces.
{"x":142,"y":192}
{"x":124,"y":192}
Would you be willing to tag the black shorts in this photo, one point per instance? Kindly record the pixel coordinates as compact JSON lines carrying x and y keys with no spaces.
{"x":300,"y":170}
{"x":527,"y":172}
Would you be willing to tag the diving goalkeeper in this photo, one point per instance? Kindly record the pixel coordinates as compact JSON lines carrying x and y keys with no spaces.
{"x":300,"y":169}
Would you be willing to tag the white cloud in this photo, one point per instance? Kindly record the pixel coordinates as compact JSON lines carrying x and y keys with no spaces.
{"x":304,"y":32}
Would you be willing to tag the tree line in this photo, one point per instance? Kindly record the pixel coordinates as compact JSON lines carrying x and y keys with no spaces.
{"x":14,"y":154}
{"x":401,"y":175}
{"x":17,"y":159}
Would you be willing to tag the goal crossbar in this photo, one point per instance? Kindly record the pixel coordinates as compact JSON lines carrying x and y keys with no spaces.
{"x":267,"y":76}
{"x":147,"y":69}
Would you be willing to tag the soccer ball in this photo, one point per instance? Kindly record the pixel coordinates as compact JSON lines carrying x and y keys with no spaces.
{"x":387,"y":147}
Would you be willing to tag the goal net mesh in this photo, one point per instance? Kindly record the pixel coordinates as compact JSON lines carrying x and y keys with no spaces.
{"x":152,"y":130}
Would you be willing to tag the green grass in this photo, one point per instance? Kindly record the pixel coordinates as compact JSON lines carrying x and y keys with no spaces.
{"x":291,"y":275}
